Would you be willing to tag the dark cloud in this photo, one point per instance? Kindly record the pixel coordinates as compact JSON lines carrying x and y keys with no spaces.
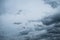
{"x":54,"y":32}
{"x":24,"y":32}
{"x":39,"y":34}
{"x":53,"y":3}
{"x":51,"y":19}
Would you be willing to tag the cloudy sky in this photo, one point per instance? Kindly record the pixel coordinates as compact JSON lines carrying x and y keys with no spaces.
{"x":15,"y":15}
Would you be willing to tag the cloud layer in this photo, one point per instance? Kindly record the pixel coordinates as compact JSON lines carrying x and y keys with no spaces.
{"x":35,"y":22}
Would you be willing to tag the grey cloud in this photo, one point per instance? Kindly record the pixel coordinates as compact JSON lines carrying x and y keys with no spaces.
{"x":53,"y":3}
{"x":52,"y":19}
{"x":39,"y":32}
{"x":54,"y":32}
{"x":2,"y":7}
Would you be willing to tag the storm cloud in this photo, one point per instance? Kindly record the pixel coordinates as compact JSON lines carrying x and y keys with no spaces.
{"x":29,"y":20}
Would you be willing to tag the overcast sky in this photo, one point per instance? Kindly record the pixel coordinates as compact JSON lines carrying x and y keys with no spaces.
{"x":31,"y":10}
